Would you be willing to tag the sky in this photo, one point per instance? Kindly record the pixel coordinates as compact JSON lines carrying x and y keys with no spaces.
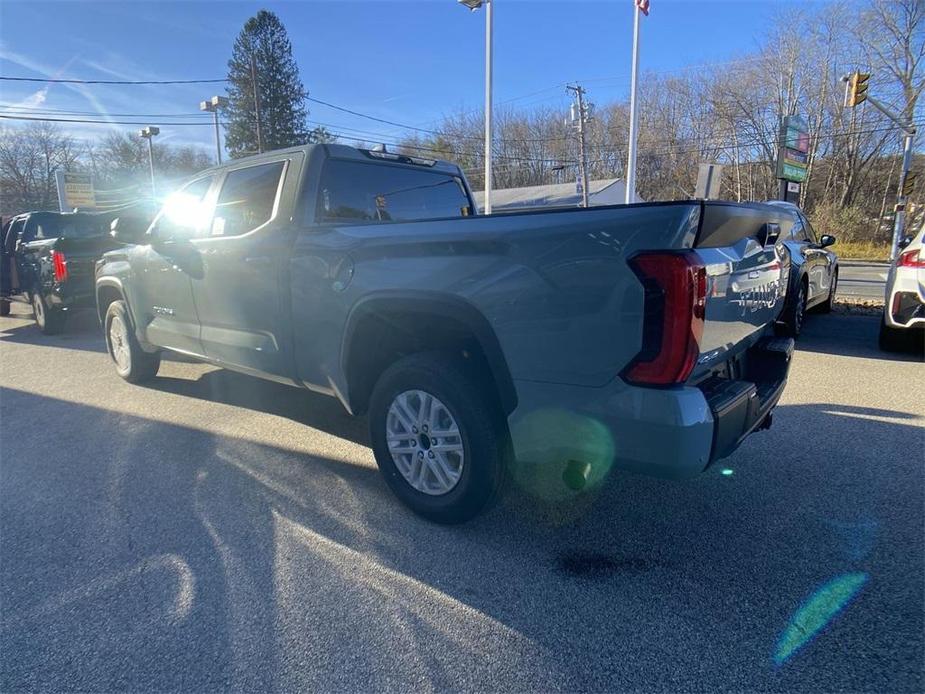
{"x":406,"y":61}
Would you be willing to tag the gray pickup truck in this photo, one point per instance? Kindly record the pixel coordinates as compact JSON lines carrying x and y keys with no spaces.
{"x":558,"y":344}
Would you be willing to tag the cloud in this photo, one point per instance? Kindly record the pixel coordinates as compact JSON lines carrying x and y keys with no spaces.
{"x":33,"y":100}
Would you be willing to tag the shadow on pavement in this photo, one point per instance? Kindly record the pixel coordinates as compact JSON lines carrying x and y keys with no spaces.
{"x":298,"y":404}
{"x":149,"y":556}
{"x":849,"y":336}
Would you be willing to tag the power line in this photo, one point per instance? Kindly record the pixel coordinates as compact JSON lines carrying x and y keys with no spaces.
{"x":51,"y":80}
{"x":87,"y":120}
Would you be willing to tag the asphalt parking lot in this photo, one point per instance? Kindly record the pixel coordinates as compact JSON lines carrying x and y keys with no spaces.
{"x":210,"y":530}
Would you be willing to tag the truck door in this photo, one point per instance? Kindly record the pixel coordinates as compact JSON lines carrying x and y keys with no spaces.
{"x":164,"y":304}
{"x":243,"y":252}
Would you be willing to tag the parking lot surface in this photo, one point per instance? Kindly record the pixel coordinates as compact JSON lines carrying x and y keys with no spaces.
{"x":209,"y":530}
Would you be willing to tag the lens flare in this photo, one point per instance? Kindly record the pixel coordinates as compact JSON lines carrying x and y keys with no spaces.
{"x":816,"y":613}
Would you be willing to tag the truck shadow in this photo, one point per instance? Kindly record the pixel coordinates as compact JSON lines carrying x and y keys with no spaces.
{"x":850,"y":336}
{"x":262,"y":566}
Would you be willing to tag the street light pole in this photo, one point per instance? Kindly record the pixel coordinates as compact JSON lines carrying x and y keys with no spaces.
{"x":213,"y":105}
{"x":149,"y":133}
{"x":474,"y":5}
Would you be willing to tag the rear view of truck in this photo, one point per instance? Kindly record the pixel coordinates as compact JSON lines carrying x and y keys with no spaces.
{"x":635,"y":337}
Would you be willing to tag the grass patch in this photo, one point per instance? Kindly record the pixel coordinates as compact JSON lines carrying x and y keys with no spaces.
{"x":862,"y":250}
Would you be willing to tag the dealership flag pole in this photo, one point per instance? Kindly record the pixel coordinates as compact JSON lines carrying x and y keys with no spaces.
{"x":639,"y":6}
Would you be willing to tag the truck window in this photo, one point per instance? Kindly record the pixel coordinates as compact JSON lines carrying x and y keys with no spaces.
{"x":184,"y":212}
{"x":247,"y":200}
{"x":360,"y":192}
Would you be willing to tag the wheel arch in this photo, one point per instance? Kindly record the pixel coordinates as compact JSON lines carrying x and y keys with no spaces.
{"x":385,"y":326}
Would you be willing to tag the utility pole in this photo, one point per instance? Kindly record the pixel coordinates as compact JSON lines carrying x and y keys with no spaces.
{"x":256,"y":101}
{"x":856,"y":93}
{"x":579,"y":119}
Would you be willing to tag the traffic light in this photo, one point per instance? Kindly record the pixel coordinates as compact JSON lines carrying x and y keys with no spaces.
{"x":909,"y":183}
{"x":857,"y":87}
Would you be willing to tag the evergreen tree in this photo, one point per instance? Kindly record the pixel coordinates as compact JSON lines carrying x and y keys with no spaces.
{"x":279,"y":88}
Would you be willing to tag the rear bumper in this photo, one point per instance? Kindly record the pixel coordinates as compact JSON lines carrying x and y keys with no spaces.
{"x":71,"y":296}
{"x":905,"y":301}
{"x":672,"y":433}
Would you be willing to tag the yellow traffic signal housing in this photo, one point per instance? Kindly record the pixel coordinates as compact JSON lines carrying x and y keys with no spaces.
{"x":857,"y":88}
{"x":909,"y":183}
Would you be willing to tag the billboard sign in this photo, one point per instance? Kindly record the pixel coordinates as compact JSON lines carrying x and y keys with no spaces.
{"x":75,"y":190}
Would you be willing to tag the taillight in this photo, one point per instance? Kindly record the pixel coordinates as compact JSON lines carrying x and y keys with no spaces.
{"x":675,"y":300}
{"x":59,"y":262}
{"x":911,"y":259}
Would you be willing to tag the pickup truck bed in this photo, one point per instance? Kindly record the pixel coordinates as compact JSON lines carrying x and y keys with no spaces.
{"x":636,"y":337}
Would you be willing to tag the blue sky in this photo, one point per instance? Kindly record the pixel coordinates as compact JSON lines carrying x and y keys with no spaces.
{"x":410,"y":62}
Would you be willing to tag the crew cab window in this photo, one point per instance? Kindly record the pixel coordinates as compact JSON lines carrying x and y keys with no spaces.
{"x":185,"y":212}
{"x":247,"y":199}
{"x":798,"y":232}
{"x":359,"y":192}
{"x":808,"y":230}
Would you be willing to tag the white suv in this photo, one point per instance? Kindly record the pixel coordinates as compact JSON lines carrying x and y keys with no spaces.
{"x":904,"y":307}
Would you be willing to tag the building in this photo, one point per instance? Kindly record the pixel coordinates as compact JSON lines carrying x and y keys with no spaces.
{"x":609,"y":191}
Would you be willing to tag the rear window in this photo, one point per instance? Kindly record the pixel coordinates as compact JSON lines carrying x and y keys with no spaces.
{"x":358,"y":192}
{"x":54,"y":226}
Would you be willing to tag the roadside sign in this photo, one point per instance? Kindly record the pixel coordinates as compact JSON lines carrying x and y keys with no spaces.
{"x":75,"y":189}
{"x":793,"y":149}
{"x":793,"y":187}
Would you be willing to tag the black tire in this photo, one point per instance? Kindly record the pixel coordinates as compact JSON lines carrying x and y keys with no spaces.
{"x":795,"y":313}
{"x":50,"y":321}
{"x":826,"y":306}
{"x":131,"y":361}
{"x":483,"y":434}
{"x":893,"y":339}
{"x":4,"y":307}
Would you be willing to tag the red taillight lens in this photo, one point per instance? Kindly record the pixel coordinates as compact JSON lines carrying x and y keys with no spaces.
{"x":676,"y":290}
{"x":60,"y":265}
{"x":911,"y":259}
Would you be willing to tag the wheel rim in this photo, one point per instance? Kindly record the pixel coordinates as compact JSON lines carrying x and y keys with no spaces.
{"x":39,"y":310}
{"x":798,"y":315}
{"x":118,"y":343}
{"x":425,"y":442}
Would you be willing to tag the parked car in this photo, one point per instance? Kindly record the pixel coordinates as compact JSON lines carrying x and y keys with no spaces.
{"x":48,"y":261}
{"x":813,"y":269}
{"x":903,"y":323}
{"x":365,"y":276}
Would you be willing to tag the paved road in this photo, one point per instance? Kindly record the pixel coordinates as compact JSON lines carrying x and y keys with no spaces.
{"x":862,"y":281}
{"x":214,"y":531}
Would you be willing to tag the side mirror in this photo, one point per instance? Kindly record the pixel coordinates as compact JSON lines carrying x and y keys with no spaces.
{"x":826,"y":240}
{"x":905,"y":241}
{"x":769,"y":233}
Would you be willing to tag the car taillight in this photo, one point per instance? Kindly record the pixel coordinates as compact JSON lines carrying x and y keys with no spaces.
{"x":911,"y":259}
{"x":59,"y":262}
{"x":675,"y":301}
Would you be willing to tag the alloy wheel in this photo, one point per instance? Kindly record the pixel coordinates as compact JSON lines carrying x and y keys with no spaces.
{"x":425,"y":442}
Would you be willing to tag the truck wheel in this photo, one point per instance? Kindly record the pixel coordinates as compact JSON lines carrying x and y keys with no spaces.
{"x":4,"y":307}
{"x":437,"y":438}
{"x":795,"y":313}
{"x":132,"y":362}
{"x":892,"y":339}
{"x":50,"y":321}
